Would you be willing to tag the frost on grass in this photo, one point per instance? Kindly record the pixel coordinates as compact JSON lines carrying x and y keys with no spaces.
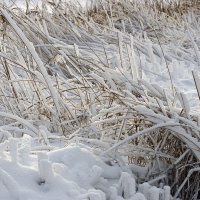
{"x":117,"y":79}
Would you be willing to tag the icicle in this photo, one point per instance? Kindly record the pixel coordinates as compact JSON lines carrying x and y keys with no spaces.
{"x":154,"y":193}
{"x":126,"y":186}
{"x":42,"y":156}
{"x":134,"y":71}
{"x":13,"y":145}
{"x":144,"y":188}
{"x":167,"y":191}
{"x":44,"y":133}
{"x":46,"y":172}
{"x":120,"y":40}
{"x":25,"y":148}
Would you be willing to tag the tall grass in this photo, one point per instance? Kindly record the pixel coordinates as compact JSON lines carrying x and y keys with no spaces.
{"x":81,"y":73}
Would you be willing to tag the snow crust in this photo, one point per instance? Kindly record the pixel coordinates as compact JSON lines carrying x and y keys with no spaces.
{"x":74,"y":172}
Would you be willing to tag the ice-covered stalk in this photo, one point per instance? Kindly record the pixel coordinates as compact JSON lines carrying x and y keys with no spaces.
{"x":46,"y":172}
{"x":13,"y":145}
{"x":33,"y":52}
{"x":126,"y":185}
{"x":167,"y":192}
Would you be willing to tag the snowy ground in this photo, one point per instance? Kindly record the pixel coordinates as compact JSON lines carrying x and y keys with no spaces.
{"x":41,"y":168}
{"x":74,"y":172}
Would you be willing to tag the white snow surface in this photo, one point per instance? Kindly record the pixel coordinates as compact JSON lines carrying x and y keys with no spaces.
{"x":76,"y":172}
{"x":73,"y":172}
{"x":69,"y":173}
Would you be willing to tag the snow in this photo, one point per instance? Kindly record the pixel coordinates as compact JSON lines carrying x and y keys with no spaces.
{"x":87,"y":161}
{"x":74,"y":172}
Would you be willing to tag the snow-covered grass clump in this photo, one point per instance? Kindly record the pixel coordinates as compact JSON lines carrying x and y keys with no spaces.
{"x":74,"y":172}
{"x":120,"y":79}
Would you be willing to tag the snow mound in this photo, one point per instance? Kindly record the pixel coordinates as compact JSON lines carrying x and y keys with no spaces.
{"x":74,"y":172}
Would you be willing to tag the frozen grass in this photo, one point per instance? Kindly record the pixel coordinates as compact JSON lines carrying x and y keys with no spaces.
{"x":119,"y":76}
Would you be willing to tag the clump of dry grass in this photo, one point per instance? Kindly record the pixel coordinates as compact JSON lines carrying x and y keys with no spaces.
{"x":95,"y":92}
{"x":178,"y":7}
